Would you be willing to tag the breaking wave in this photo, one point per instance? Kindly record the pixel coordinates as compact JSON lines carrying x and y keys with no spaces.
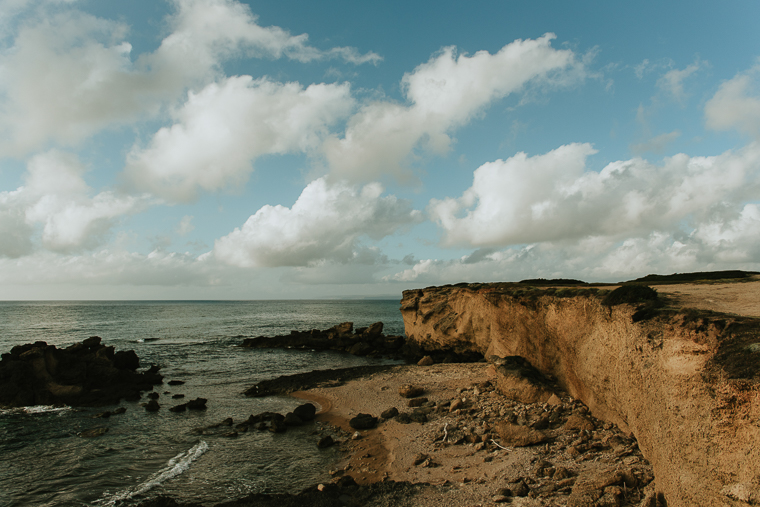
{"x":36,"y":409}
{"x":177,"y":465}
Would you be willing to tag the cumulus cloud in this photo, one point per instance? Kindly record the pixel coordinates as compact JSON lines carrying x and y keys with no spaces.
{"x":712,"y":246}
{"x":223,"y":128}
{"x":443,"y":93}
{"x":553,"y":196}
{"x":736,"y":105}
{"x":68,"y":75}
{"x":325,"y":224}
{"x":56,"y":199}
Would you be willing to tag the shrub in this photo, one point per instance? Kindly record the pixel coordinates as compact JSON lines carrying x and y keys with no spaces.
{"x":631,"y":294}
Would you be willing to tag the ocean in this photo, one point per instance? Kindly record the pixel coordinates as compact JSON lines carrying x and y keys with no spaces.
{"x":142,"y":455}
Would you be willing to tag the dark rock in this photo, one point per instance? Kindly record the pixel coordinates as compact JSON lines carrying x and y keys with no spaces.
{"x":364,"y":341}
{"x":277,"y":426}
{"x":306,"y":412}
{"x":178,"y":408}
{"x":153,"y":396}
{"x":82,"y":374}
{"x":325,"y":442}
{"x":118,"y":411}
{"x":404,"y":418}
{"x":361,"y":348}
{"x":197,"y":404}
{"x":152,"y":406}
{"x":375,"y":329}
{"x":227,"y":422}
{"x":418,"y":416}
{"x":390,"y":413}
{"x":92,"y":342}
{"x":292,"y":419}
{"x":363,"y":422}
{"x":126,"y":359}
{"x":176,"y":382}
{"x":177,"y":396}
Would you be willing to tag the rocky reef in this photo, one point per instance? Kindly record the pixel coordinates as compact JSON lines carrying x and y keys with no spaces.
{"x":82,"y":374}
{"x":684,"y":384}
{"x":364,"y":341}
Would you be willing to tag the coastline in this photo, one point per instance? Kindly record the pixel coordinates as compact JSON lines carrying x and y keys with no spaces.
{"x":455,"y":458}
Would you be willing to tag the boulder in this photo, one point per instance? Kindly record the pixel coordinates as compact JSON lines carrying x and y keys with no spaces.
{"x":292,"y":419}
{"x":410,"y":391}
{"x":325,"y":442}
{"x":152,"y":406}
{"x":363,"y":422}
{"x":426,"y":361}
{"x":306,"y":412}
{"x":197,"y":404}
{"x":389,"y":413}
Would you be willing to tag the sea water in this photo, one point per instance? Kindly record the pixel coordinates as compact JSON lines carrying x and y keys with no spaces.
{"x":44,"y":462}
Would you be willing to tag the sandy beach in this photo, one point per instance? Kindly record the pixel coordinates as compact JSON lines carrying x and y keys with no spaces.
{"x":459,"y":452}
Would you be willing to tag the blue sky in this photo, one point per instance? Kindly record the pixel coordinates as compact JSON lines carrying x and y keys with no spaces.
{"x":219,"y":149}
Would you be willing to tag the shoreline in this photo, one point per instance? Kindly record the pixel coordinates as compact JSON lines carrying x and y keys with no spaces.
{"x":456,"y":456}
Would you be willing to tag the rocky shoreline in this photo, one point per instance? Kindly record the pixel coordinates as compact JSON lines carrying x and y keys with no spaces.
{"x":472,"y":434}
{"x":83,"y":374}
{"x":365,"y":341}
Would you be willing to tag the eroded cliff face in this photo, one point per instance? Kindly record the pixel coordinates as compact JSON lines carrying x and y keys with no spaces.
{"x":685,"y":385}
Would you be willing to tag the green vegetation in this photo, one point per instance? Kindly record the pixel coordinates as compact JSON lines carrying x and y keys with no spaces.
{"x":631,"y":294}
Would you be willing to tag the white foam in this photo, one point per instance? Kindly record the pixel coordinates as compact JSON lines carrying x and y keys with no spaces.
{"x":36,"y":409}
{"x":177,"y":465}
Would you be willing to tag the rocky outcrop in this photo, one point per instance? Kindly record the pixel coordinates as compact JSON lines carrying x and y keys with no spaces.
{"x":684,"y":384}
{"x":365,"y":341}
{"x":83,"y":374}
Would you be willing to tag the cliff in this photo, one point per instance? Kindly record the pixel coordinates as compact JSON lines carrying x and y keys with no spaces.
{"x":685,"y":384}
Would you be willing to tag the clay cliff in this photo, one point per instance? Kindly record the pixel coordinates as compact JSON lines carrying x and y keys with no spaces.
{"x":684,"y":383}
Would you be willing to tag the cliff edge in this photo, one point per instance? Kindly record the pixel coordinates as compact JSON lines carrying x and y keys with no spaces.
{"x":684,"y":383}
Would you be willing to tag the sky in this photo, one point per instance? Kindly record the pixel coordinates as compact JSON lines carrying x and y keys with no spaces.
{"x":222,"y":149}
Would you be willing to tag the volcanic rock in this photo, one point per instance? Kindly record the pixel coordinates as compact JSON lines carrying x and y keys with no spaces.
{"x":83,"y":374}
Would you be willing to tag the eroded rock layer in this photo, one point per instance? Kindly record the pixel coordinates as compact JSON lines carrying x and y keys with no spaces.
{"x":684,"y":384}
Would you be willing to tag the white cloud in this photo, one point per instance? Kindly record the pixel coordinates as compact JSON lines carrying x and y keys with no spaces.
{"x":599,"y":259}
{"x":185,"y":226}
{"x":672,"y":81}
{"x":736,"y":105}
{"x":224,"y":127}
{"x":443,"y":93}
{"x":554,"y":197}
{"x":56,"y":198}
{"x":69,"y":74}
{"x":325,"y":224}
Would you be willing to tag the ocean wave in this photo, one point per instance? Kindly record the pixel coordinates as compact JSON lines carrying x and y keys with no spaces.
{"x":176,"y":466}
{"x":36,"y":409}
